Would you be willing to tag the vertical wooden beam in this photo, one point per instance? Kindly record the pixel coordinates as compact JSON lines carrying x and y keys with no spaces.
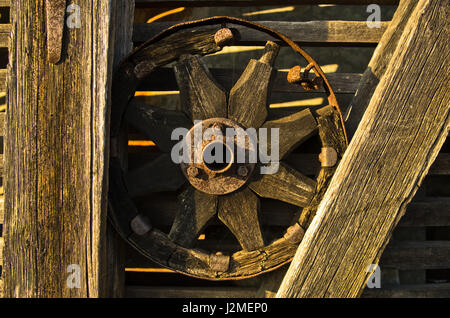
{"x":398,"y":139}
{"x":56,"y":146}
{"x":123,"y":45}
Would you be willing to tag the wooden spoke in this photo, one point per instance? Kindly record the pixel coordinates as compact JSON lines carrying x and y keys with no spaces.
{"x":201,"y":97}
{"x":286,"y":185}
{"x":157,"y":123}
{"x":196,"y":209}
{"x":293,"y":130}
{"x":248,"y":103}
{"x":159,"y":175}
{"x":239,"y":212}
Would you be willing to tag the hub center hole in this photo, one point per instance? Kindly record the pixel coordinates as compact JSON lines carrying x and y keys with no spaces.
{"x":217,"y":156}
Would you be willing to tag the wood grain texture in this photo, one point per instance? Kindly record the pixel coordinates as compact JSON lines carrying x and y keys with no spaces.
{"x":293,"y":130}
{"x":2,"y":80}
{"x":287,"y":185}
{"x":2,"y":208}
{"x":5,"y":29}
{"x":200,"y":96}
{"x":354,"y":33}
{"x":54,"y":206}
{"x":331,"y":134}
{"x":377,"y":65}
{"x":390,"y":154}
{"x":2,"y":123}
{"x":173,"y":46}
{"x":122,"y":15}
{"x":239,"y":212}
{"x":196,"y":209}
{"x":2,"y":244}
{"x":249,"y":98}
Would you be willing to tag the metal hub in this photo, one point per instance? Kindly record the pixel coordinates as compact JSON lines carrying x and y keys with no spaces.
{"x":222,"y":156}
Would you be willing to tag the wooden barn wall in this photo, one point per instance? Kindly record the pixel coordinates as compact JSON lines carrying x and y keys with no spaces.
{"x":416,"y":262}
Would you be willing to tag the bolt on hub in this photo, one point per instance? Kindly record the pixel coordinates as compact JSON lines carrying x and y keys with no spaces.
{"x":219,"y":160}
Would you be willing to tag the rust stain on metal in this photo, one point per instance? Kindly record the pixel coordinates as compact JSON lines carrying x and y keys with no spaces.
{"x":55,"y":10}
{"x":224,"y":37}
{"x":295,"y":76}
{"x":224,"y":177}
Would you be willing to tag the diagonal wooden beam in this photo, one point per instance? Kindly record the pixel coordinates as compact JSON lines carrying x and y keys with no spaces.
{"x":400,"y":135}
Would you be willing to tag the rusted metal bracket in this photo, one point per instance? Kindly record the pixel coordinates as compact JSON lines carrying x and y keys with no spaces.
{"x":55,"y":10}
{"x":295,"y":77}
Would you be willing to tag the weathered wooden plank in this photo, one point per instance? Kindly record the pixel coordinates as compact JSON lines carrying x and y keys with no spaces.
{"x":2,"y":80}
{"x":287,"y":185}
{"x":189,"y":292}
{"x":416,"y":255}
{"x":2,"y":244}
{"x":196,"y":209}
{"x":248,"y":102}
{"x":410,"y":291}
{"x":5,"y":3}
{"x":5,"y":29}
{"x":123,"y":15}
{"x":239,"y":212}
{"x":390,"y":154}
{"x":434,"y":212}
{"x":354,"y":33}
{"x":292,"y":131}
{"x":55,"y":181}
{"x":251,"y":3}
{"x":342,"y":83}
{"x":2,"y":123}
{"x":200,"y":96}
{"x":377,"y":65}
{"x":2,"y":208}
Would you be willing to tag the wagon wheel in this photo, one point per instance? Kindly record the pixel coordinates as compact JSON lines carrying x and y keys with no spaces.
{"x":229,"y":190}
